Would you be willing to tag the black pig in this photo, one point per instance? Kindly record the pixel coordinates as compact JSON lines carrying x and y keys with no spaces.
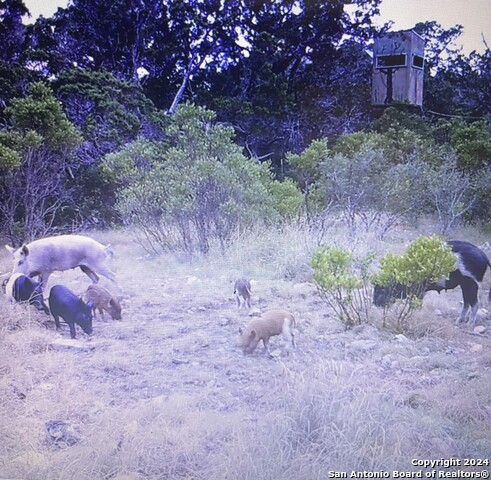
{"x":64,"y":303}
{"x":20,"y":288}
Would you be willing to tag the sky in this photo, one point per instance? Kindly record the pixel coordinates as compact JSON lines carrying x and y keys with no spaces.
{"x":473,"y":15}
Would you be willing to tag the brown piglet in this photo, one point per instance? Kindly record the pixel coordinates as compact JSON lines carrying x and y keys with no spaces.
{"x":103,"y":301}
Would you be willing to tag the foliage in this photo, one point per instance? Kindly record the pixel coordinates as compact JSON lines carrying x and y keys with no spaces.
{"x":287,"y":76}
{"x":39,"y":147}
{"x":343,"y":281}
{"x":305,"y":169}
{"x":41,"y":112}
{"x":198,"y":184}
{"x":370,"y":191}
{"x":109,"y":112}
{"x":426,"y":260}
{"x":450,"y":192}
{"x":472,"y":144}
{"x":286,"y":199}
{"x":12,"y":29}
{"x":295,"y":80}
{"x":481,"y":208}
{"x":9,"y":158}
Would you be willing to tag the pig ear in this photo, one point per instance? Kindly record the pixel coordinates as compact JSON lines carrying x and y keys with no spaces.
{"x":24,"y":250}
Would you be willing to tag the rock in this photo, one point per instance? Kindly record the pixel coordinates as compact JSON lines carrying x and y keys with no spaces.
{"x":276,"y":353}
{"x":223,"y":322}
{"x":60,"y":433}
{"x":402,"y":338}
{"x":476,"y":348}
{"x":71,"y":344}
{"x":177,"y":361}
{"x":479,"y":330}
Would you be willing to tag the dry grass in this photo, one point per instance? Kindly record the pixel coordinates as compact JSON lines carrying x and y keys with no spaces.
{"x":166,"y":393}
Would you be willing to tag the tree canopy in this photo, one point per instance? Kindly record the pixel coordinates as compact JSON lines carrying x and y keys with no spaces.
{"x":282,"y":75}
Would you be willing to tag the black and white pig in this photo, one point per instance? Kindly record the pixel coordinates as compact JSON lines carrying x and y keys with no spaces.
{"x":20,"y":288}
{"x":65,"y":304}
{"x":471,"y":264}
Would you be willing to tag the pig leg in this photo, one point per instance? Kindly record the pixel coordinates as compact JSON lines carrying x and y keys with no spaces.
{"x":288,"y":334}
{"x":72,"y":329}
{"x":266,"y":346}
{"x":43,"y":278}
{"x":90,"y":273}
{"x":470,"y":295}
{"x":57,"y":321}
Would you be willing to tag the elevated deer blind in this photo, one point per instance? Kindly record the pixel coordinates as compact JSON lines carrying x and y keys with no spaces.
{"x":398,"y":62}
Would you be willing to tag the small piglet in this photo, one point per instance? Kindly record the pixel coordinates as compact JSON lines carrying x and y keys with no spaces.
{"x":103,"y":300}
{"x":273,"y":322}
{"x":20,"y":288}
{"x":243,"y":291}
{"x":65,"y":304}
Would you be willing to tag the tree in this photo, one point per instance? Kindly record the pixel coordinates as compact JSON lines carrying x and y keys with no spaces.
{"x":33,"y":191}
{"x":193,"y":189}
{"x":450,"y":190}
{"x":100,"y":36}
{"x":13,"y":75}
{"x":12,"y":30}
{"x":293,"y":66}
{"x":305,"y":169}
{"x":109,"y":112}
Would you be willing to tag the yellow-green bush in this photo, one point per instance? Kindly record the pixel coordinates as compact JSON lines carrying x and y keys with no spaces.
{"x":343,"y":281}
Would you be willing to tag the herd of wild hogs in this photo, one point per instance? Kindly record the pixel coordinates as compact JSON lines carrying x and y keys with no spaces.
{"x":42,"y":257}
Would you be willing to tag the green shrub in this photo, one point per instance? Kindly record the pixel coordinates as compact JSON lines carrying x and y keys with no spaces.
{"x":343,"y":282}
{"x":426,"y":260}
{"x":196,"y":188}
